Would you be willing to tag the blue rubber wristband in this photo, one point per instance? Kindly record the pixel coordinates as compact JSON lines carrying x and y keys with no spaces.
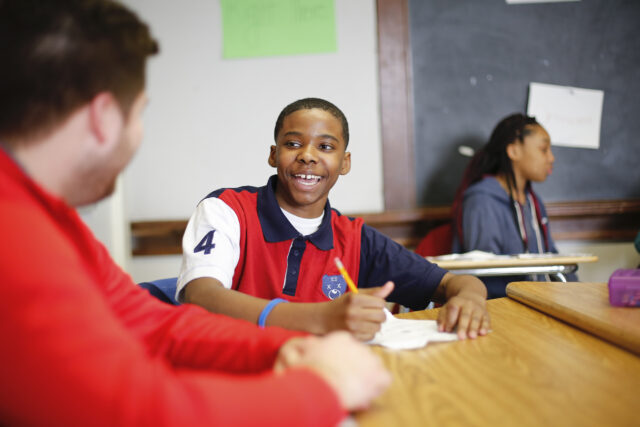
{"x":267,"y":309}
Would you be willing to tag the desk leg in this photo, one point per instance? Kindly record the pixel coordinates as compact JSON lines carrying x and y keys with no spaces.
{"x":560,"y":277}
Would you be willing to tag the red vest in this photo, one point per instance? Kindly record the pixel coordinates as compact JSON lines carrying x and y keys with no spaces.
{"x":277,"y":262}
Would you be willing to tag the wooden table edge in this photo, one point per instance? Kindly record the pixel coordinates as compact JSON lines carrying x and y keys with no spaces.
{"x":512,"y":262}
{"x":575,"y":318}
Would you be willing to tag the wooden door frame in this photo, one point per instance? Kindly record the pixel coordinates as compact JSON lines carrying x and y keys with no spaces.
{"x":396,"y":104}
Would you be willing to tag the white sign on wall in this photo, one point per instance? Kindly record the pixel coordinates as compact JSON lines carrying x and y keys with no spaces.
{"x":571,"y":115}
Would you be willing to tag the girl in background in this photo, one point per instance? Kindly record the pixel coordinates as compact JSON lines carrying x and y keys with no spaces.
{"x":495,"y":208}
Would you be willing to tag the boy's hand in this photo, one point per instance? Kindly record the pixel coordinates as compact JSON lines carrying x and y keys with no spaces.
{"x":466,"y":307}
{"x":354,"y":372}
{"x":468,"y":312}
{"x":361,"y":313}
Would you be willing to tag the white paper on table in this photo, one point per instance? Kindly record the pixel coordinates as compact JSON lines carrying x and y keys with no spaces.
{"x":550,"y":255}
{"x":537,"y":256}
{"x":536,"y":1}
{"x":571,"y":115}
{"x":468,"y":256}
{"x":404,"y":334}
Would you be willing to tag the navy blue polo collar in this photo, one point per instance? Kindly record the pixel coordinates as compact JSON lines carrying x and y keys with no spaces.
{"x":277,"y":228}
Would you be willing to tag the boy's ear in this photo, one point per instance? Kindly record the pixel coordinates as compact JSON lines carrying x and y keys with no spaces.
{"x":346,"y":163}
{"x":105,"y":118}
{"x":272,"y":156}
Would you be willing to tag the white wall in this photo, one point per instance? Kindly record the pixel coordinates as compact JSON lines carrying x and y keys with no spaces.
{"x":209,"y":123}
{"x":107,"y":221}
{"x":611,"y":256}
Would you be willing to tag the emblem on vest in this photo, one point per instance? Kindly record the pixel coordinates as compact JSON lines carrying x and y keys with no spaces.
{"x":333,"y":286}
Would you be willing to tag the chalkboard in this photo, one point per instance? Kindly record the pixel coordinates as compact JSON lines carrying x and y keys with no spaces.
{"x":473,"y":61}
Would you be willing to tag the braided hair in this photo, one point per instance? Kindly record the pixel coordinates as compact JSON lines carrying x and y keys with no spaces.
{"x":492,"y":159}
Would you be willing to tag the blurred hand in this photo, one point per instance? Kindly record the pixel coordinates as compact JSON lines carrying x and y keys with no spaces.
{"x":468,"y":312}
{"x":354,"y":372}
{"x":361,"y":313}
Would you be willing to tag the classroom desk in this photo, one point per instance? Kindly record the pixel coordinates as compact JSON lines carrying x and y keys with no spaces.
{"x":555,"y":265}
{"x":531,"y":370}
{"x":585,"y":306}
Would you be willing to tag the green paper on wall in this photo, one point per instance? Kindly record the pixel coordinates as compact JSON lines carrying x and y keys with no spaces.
{"x":277,"y":27}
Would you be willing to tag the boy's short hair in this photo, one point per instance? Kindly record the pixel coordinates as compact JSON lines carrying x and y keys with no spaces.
{"x":311,"y":103}
{"x":57,"y":55}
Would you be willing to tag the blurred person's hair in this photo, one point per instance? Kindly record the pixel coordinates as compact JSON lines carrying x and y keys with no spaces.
{"x":56,"y":56}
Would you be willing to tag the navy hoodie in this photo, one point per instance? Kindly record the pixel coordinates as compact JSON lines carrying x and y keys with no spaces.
{"x":488,"y":225}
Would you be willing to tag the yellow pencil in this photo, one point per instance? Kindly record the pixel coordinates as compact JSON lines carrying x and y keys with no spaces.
{"x":343,"y":272}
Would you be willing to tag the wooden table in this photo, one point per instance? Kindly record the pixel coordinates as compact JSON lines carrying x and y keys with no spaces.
{"x":531,"y":370}
{"x":556,"y":265}
{"x":585,"y":306}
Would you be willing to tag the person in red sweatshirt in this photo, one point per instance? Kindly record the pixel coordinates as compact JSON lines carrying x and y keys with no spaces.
{"x":82,"y":345}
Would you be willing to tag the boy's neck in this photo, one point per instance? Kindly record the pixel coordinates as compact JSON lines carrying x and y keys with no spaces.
{"x":295,"y":214}
{"x":304,"y":211}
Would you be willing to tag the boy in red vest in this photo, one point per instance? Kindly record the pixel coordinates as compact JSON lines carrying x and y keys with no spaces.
{"x":246,"y":250}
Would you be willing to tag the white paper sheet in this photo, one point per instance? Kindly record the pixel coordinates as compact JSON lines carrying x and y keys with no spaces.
{"x":483,"y":256}
{"x":405,"y":334}
{"x":468,"y":256}
{"x":571,"y":115}
{"x":536,"y":1}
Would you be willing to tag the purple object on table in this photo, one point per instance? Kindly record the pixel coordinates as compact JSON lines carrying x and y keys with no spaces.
{"x":624,"y":288}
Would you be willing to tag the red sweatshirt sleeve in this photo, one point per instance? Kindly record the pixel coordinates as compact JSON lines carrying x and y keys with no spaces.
{"x":78,"y":352}
{"x":183,"y":334}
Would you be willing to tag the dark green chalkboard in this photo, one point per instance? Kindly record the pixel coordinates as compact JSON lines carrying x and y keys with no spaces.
{"x":473,"y":61}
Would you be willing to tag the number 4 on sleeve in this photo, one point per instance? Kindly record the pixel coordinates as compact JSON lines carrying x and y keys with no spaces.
{"x":206,"y":244}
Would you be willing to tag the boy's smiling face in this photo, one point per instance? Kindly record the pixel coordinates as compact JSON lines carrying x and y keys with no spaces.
{"x":310,"y":156}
